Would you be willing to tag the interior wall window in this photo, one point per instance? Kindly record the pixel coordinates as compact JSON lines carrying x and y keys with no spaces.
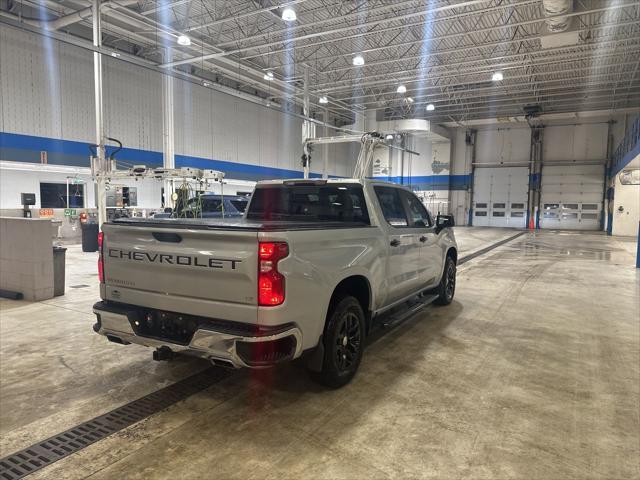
{"x":54,"y":195}
{"x":391,"y":206}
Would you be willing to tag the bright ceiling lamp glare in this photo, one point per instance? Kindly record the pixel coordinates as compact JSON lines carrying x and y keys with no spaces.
{"x":184,"y":40}
{"x":268,"y":76}
{"x":323,"y":99}
{"x":401,"y":89}
{"x":358,"y":60}
{"x":431,"y":107}
{"x":289,"y":15}
{"x":497,"y":77}
{"x":389,"y":136}
{"x":409,"y":100}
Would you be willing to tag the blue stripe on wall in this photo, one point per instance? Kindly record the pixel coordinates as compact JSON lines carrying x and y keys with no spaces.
{"x":534,"y":181}
{"x":27,"y":148}
{"x":432,"y":182}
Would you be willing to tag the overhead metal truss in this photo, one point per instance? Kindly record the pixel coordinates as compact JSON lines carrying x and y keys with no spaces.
{"x":443,"y":51}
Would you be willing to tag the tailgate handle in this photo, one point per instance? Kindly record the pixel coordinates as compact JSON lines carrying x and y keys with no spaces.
{"x":167,"y":237}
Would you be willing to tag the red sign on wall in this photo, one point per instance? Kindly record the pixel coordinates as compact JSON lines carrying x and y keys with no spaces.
{"x":46,"y":212}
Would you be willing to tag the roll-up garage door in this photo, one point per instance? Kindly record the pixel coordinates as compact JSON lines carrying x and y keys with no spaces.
{"x":500,"y":197}
{"x":572,"y":197}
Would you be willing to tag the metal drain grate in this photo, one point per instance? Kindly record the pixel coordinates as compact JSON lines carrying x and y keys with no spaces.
{"x":41,"y":454}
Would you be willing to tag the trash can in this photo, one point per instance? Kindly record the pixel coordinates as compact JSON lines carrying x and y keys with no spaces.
{"x":89,"y":237}
{"x":59,"y":255}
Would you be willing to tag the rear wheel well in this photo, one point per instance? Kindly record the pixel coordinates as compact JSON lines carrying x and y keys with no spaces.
{"x":356,"y":286}
{"x":453,"y":253}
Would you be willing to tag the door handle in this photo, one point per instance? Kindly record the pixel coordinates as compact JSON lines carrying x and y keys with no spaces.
{"x":423,"y":239}
{"x":395,"y":242}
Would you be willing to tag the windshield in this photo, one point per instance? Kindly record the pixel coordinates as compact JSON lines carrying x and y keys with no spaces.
{"x":335,"y":203}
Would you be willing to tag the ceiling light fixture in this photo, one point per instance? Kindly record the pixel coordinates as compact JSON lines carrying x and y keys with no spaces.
{"x":409,"y":99}
{"x":184,"y":40}
{"x":358,"y":60}
{"x":206,"y":84}
{"x":389,"y":136}
{"x":289,"y":15}
{"x":401,"y":89}
{"x":497,"y":77}
{"x":431,"y":107}
{"x":323,"y":99}
{"x":268,"y":76}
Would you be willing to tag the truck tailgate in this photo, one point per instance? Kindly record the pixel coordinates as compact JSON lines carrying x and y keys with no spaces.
{"x":197,"y":271}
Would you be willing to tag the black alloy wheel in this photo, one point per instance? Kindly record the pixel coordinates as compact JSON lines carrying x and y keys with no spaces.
{"x":343,"y":342}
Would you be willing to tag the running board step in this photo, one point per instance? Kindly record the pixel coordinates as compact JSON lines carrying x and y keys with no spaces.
{"x":401,"y":316}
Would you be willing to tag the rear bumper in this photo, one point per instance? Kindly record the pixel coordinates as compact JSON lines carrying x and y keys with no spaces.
{"x":265,"y":348}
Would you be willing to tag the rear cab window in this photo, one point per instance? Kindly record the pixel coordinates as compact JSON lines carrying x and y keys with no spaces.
{"x":309,"y":203}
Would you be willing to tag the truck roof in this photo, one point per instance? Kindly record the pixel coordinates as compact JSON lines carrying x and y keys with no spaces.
{"x":323,"y":181}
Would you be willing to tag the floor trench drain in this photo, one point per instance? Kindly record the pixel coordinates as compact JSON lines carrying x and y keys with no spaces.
{"x":46,"y":452}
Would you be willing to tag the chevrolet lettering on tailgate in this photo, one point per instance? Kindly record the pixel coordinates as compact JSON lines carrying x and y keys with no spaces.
{"x":171,"y":259}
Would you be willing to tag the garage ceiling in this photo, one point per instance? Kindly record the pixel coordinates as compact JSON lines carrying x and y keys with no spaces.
{"x":443,"y":52}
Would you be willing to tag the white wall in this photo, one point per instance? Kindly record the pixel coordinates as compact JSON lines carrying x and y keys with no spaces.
{"x":46,"y":89}
{"x":625,"y":223}
{"x":15,"y":182}
{"x":460,"y":165}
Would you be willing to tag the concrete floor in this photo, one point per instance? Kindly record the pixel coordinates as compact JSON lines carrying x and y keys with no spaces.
{"x":532,"y":372}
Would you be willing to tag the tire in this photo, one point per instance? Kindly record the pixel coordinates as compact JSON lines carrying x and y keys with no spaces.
{"x":343,"y":342}
{"x":447,"y":287}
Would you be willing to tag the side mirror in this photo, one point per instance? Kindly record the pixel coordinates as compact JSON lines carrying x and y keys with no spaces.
{"x":444,"y":221}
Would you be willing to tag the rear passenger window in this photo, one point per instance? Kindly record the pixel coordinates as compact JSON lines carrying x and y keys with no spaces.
{"x":391,"y":205}
{"x":419,"y":215}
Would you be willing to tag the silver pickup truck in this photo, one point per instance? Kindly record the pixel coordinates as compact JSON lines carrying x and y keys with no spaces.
{"x":307,"y":272}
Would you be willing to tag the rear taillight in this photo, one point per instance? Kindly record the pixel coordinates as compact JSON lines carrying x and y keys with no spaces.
{"x":270,"y":281}
{"x":100,"y":258}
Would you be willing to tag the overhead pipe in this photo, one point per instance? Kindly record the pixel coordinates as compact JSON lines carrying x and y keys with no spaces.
{"x":556,"y":12}
{"x":85,"y":14}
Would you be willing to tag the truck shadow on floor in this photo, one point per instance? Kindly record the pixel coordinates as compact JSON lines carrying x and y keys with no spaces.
{"x":389,"y":351}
